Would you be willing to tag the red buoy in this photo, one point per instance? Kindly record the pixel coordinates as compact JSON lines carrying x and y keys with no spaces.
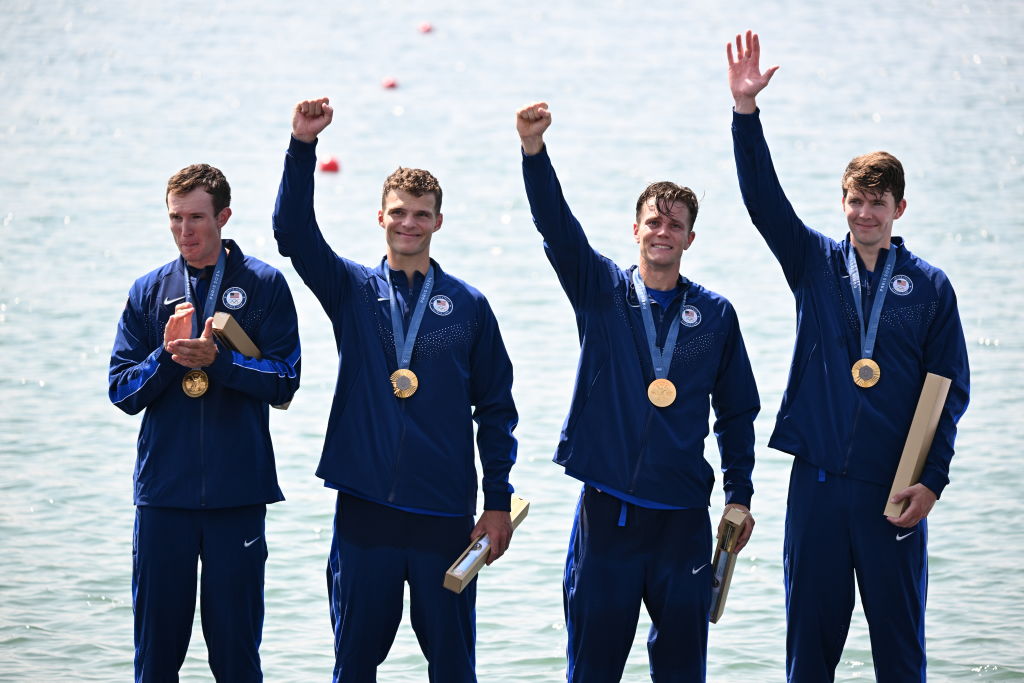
{"x":332,"y":165}
{"x":389,"y":83}
{"x":426,"y":27}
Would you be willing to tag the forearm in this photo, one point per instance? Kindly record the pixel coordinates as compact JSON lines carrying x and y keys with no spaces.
{"x":270,"y":380}
{"x":295,"y":227}
{"x":736,"y":444}
{"x":736,"y":404}
{"x":133,"y":386}
{"x":494,"y":410}
{"x":766,"y":203}
{"x":946,"y":355}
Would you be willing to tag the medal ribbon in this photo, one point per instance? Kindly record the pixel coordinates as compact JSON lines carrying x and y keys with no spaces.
{"x":868,"y":335}
{"x":661,"y":359}
{"x":405,"y":342}
{"x":211,"y":296}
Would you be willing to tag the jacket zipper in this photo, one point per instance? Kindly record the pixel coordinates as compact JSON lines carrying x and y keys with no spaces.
{"x":650,"y":411}
{"x":202,"y":453}
{"x":643,"y":449}
{"x":398,"y":457}
{"x":853,"y":431}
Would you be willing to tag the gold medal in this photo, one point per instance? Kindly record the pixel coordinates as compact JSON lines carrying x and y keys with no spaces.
{"x":866,"y":373}
{"x":195,"y":383}
{"x":661,"y":392}
{"x":404,"y":382}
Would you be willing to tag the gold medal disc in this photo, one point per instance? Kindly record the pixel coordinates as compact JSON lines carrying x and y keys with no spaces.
{"x":404,"y":383}
{"x":661,"y":392}
{"x":866,"y":373}
{"x":195,"y":383}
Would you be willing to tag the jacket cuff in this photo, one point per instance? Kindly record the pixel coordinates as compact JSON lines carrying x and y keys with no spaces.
{"x":739,"y":497}
{"x":221,"y":365}
{"x":302,"y":150}
{"x":934,"y":481}
{"x":497,"y":500}
{"x":540,"y":157}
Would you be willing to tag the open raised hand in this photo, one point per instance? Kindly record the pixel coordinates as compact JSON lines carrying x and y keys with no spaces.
{"x":745,"y":77}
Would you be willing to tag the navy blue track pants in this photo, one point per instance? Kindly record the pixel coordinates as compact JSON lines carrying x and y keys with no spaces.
{"x":658,"y":557}
{"x":167,"y":547}
{"x":374,"y":551}
{"x":835,"y":530}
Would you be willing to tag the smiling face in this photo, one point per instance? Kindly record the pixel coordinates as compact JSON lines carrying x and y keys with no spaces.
{"x":409,"y":222}
{"x":870,"y":216}
{"x":196,"y":227}
{"x":663,"y":237}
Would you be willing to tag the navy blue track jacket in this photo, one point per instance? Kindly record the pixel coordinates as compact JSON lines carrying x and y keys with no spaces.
{"x":213,"y":451}
{"x":825,"y":418}
{"x":613,"y":434}
{"x":415,"y":452}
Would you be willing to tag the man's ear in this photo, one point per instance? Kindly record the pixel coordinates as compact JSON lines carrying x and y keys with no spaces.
{"x":900,"y":208}
{"x":223,"y":217}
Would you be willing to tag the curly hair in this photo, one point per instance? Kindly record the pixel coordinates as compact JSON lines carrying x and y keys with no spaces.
{"x":416,"y":182}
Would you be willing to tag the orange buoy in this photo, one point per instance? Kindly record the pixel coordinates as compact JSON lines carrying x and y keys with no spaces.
{"x":331,"y":165}
{"x":389,"y":83}
{"x":426,"y":27}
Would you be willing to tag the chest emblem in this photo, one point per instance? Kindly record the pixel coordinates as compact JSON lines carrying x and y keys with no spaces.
{"x":441,"y":305}
{"x":234,"y":298}
{"x":901,"y":285}
{"x":689,"y":316}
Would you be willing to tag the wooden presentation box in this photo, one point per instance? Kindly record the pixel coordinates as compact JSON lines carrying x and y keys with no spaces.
{"x":725,"y":560}
{"x":919,"y":439}
{"x":473,"y":559}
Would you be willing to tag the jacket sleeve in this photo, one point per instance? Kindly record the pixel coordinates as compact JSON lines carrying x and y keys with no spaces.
{"x":736,"y":404}
{"x":140,"y":368}
{"x":580,"y":269}
{"x":494,"y":410}
{"x":945,"y":354}
{"x":297,"y":233}
{"x":274,"y":378}
{"x":788,"y":238}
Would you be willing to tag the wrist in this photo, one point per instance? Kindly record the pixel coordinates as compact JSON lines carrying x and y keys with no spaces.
{"x":532,"y":144}
{"x":308,"y":139}
{"x":744,"y":104}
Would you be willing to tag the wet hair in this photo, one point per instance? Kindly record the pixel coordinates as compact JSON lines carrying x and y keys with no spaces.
{"x":416,"y":182}
{"x":201,"y":176}
{"x":666,"y":195}
{"x":875,"y":173}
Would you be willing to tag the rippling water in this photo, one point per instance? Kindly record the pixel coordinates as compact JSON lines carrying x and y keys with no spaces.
{"x":103,"y":101}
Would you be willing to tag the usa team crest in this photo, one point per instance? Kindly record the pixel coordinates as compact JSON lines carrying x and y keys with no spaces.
{"x":901,"y":285}
{"x":689,"y":316}
{"x":441,"y":305}
{"x":234,"y":298}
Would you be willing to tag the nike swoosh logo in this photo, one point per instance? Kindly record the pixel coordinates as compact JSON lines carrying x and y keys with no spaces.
{"x":246,"y":544}
{"x":697,"y":570}
{"x":900,"y":537}
{"x":168,"y":302}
